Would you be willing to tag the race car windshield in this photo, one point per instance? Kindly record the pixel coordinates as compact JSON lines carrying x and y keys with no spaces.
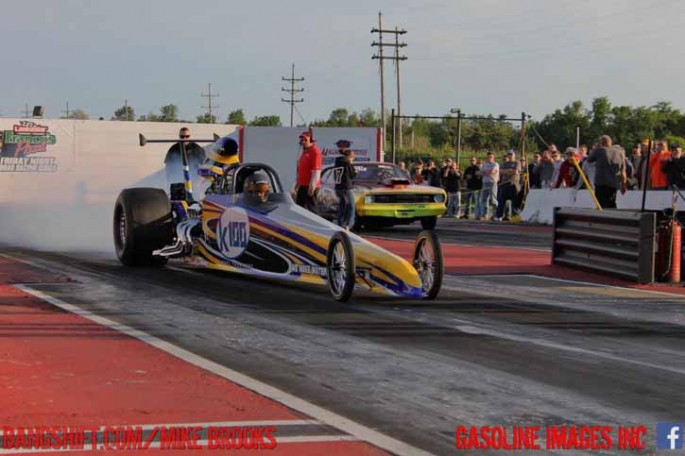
{"x":377,"y":173}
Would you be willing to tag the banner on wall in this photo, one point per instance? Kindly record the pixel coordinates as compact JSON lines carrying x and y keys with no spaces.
{"x":25,"y":147}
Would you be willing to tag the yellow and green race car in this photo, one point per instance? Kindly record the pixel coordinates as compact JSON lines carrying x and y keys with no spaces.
{"x":384,"y":196}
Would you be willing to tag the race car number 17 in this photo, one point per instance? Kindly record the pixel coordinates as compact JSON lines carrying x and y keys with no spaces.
{"x":233,"y":232}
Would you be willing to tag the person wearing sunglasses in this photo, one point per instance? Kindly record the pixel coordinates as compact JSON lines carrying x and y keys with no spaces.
{"x":172,"y":161}
{"x":193,"y":150}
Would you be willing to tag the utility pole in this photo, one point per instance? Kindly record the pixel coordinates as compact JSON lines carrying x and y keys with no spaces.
{"x":67,"y":111}
{"x":209,"y":95}
{"x":380,"y":62}
{"x":292,"y":91}
{"x":127,"y":112}
{"x":397,"y":58}
{"x":26,"y":111}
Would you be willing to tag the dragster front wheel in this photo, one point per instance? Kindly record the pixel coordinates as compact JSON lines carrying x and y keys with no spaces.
{"x":429,"y":262}
{"x":340,"y":267}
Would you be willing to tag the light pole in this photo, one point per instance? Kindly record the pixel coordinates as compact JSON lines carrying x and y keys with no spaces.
{"x":458,"y":140}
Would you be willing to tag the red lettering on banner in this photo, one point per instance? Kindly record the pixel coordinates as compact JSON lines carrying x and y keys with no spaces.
{"x":631,"y":438}
{"x":579,"y":438}
{"x":25,"y":148}
{"x":497,"y":438}
{"x":236,"y":438}
{"x":180,"y":438}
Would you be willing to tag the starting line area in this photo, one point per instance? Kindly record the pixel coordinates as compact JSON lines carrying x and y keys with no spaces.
{"x":107,"y":386}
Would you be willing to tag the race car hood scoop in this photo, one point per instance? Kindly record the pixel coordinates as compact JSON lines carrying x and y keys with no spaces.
{"x":395,"y":182}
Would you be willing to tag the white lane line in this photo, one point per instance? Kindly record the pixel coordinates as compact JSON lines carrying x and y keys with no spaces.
{"x":346,"y":425}
{"x":23,"y":260}
{"x":600,"y":285}
{"x":471,"y":328}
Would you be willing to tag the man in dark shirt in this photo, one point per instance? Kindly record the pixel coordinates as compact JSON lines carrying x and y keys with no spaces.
{"x":343,"y":174}
{"x":508,"y":187}
{"x":451,"y":179}
{"x":194,"y":152}
{"x":675,"y":167}
{"x":533,"y":172}
{"x":172,"y":161}
{"x":610,"y":172}
{"x":431,"y":175}
{"x":473,"y":185}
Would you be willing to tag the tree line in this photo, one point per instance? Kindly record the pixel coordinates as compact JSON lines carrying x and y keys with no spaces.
{"x":627,"y":125}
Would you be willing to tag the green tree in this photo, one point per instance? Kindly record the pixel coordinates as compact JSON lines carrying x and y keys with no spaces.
{"x":560,"y":126}
{"x":338,"y":118}
{"x":206,"y":118}
{"x":169,"y":113}
{"x":236,"y":117}
{"x":79,"y":114}
{"x":266,"y":121}
{"x":369,"y":118}
{"x":600,"y":119}
{"x":124,"y":113}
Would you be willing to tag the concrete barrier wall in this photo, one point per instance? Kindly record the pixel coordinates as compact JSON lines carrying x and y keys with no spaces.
{"x":540,"y":203}
{"x":58,"y":185}
{"x":91,"y":160}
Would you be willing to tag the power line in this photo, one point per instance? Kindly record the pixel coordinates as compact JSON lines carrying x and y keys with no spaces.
{"x":395,"y":57}
{"x":209,"y":95}
{"x":292,"y":91}
{"x":300,"y":114}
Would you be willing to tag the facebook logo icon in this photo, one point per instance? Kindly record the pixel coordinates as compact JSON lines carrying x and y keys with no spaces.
{"x":669,"y":436}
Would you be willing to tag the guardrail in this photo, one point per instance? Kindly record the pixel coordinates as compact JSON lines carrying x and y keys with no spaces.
{"x":617,"y":243}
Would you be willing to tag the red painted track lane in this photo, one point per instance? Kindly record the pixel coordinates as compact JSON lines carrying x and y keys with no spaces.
{"x":62,"y":369}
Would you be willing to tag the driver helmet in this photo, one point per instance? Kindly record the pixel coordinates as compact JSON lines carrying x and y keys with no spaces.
{"x":224,"y":151}
{"x":258,"y":184}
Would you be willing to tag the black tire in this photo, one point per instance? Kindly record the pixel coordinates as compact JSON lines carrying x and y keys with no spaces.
{"x":428,"y":223}
{"x":142,"y":223}
{"x":429,"y":262}
{"x":340,"y":267}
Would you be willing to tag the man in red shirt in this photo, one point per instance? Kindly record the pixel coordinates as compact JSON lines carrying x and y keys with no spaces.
{"x":568,"y":171}
{"x":308,"y":172}
{"x":658,"y":178}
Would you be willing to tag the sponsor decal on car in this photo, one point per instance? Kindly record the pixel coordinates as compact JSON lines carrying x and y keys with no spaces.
{"x":233,"y":232}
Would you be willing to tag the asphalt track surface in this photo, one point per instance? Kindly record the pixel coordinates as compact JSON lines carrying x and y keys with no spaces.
{"x":491,"y":350}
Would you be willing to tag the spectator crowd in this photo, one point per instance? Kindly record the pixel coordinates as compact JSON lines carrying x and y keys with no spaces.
{"x":495,"y":191}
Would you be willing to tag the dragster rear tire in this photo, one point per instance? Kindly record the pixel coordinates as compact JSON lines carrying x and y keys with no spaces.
{"x":429,"y":262}
{"x":340,"y":267}
{"x":142,"y":223}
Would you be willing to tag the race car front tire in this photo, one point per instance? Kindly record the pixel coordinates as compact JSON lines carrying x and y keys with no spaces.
{"x":429,"y":262}
{"x":340,"y":267}
{"x":142,"y":223}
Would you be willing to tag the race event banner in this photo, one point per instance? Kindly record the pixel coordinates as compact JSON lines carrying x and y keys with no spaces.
{"x":31,"y":146}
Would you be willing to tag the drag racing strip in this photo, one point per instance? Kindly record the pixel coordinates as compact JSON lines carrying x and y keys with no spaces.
{"x":352,"y":429}
{"x":47,"y":351}
{"x":493,"y":348}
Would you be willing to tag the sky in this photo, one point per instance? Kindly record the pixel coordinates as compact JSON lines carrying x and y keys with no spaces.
{"x":480,"y":56}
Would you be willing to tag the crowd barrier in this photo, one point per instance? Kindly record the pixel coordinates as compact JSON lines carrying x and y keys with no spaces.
{"x":540,"y":203}
{"x":618,"y":243}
